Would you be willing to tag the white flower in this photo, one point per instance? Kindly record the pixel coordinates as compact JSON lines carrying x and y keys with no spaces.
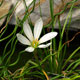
{"x":21,"y":6}
{"x":28,"y":2}
{"x":33,"y":39}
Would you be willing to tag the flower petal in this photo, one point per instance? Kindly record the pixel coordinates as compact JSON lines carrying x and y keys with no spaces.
{"x":28,"y":2}
{"x":27,"y":31}
{"x":29,"y":49}
{"x":48,"y":37}
{"x":20,"y":7}
{"x":38,"y":28}
{"x":44,"y":46}
{"x":23,"y":39}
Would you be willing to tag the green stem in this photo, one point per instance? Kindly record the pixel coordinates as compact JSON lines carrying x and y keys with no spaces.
{"x":36,"y":58}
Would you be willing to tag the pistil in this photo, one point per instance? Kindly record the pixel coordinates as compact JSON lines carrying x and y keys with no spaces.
{"x":35,"y":43}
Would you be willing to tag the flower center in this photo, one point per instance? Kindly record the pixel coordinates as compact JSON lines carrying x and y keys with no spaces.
{"x":35,"y":43}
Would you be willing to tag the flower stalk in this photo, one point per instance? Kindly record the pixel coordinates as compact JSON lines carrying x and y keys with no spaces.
{"x":37,"y":60}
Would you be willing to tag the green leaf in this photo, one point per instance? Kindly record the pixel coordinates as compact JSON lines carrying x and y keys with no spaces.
{"x":65,"y":79}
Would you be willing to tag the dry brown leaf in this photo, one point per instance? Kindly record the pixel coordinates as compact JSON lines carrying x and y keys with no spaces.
{"x":4,"y":9}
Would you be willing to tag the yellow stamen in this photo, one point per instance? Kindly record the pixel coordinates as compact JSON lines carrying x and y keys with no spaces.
{"x":35,"y":43}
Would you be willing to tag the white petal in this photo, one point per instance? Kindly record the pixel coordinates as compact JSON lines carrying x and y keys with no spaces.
{"x":20,"y":7}
{"x":38,"y":28}
{"x":44,"y":46}
{"x":29,"y":49}
{"x":28,"y":2}
{"x":48,"y":37}
{"x":27,"y":31}
{"x":23,"y":39}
